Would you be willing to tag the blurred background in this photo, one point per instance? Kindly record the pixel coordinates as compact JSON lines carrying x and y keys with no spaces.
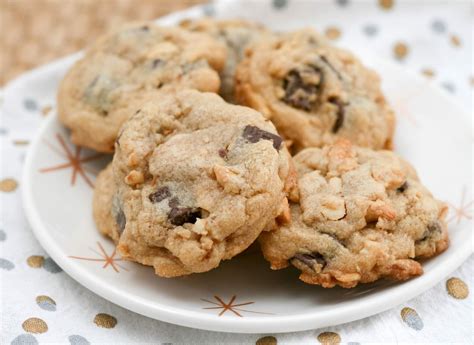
{"x":430,"y":37}
{"x":38,"y":31}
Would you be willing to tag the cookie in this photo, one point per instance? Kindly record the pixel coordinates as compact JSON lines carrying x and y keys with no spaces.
{"x":236,"y":35}
{"x":127,"y":66}
{"x":107,"y":212}
{"x":313,"y":92}
{"x":359,"y":215}
{"x":196,"y":180}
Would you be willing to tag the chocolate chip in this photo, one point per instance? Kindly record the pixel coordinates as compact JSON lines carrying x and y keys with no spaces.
{"x":339,"y":113}
{"x":144,"y":28}
{"x":120,"y":220}
{"x":181,"y":215}
{"x":97,"y":93}
{"x":118,"y":214}
{"x":254,"y":134}
{"x":161,"y":194}
{"x":432,"y":229}
{"x":403,"y":187}
{"x":302,"y":87}
{"x":311,"y":259}
{"x":223,"y":153}
{"x":173,"y":202}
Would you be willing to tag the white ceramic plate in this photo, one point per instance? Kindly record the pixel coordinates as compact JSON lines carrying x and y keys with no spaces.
{"x":242,"y":295}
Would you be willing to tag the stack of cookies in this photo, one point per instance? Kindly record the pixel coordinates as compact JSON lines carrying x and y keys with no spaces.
{"x":225,"y":133}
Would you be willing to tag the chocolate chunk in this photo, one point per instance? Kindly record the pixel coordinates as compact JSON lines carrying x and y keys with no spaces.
{"x":302,"y":87}
{"x":118,"y":214}
{"x":254,"y":134}
{"x":144,"y":28}
{"x":339,"y":113}
{"x":97,"y":93}
{"x":431,"y":230}
{"x":161,"y":194}
{"x":181,"y":215}
{"x":223,"y":153}
{"x":403,"y":187}
{"x":311,"y":259}
{"x":120,"y":220}
{"x":173,"y":202}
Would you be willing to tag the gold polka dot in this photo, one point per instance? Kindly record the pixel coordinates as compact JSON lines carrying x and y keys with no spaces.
{"x":269,"y":340}
{"x":45,"y":111}
{"x":400,"y":50}
{"x":455,"y":40}
{"x":333,"y":33}
{"x":20,"y":142}
{"x":46,"y":303}
{"x":457,"y":288}
{"x":428,"y":72}
{"x":8,"y":185}
{"x":411,"y":318}
{"x":35,"y":325}
{"x":105,"y":320}
{"x":35,"y":261}
{"x":386,"y":4}
{"x":329,"y":338}
{"x":471,"y":80}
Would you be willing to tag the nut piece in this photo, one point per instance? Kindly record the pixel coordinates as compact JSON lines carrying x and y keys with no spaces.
{"x":134,"y":177}
{"x":284,"y":216}
{"x":379,"y":209}
{"x":333,"y":207}
{"x":228,"y":178}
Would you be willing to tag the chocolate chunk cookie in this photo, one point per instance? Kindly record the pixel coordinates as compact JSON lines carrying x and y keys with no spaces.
{"x":236,"y":35}
{"x":127,"y":66}
{"x":359,"y":215}
{"x":313,"y":92}
{"x":195,"y":181}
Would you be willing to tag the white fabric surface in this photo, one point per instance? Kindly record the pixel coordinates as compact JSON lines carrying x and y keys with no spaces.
{"x":424,"y":26}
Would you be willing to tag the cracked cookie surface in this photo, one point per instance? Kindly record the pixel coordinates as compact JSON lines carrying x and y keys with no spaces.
{"x":236,"y":35}
{"x":195,"y":181}
{"x":359,"y":215}
{"x":124,"y":68}
{"x":313,"y":92}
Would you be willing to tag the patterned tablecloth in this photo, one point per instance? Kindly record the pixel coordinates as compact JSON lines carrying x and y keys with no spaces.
{"x":41,"y":304}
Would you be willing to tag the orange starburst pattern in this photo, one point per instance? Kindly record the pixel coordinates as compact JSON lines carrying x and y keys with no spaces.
{"x":463,"y":210}
{"x":107,"y":260}
{"x":400,"y":104}
{"x":231,"y":306}
{"x":74,"y":161}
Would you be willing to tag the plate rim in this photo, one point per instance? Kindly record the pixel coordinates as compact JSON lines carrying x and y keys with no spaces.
{"x":355,"y":310}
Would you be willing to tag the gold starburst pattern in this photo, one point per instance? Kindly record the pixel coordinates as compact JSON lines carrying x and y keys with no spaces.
{"x":108,"y":260}
{"x":74,"y":161}
{"x":463,"y":210}
{"x":231,"y":306}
